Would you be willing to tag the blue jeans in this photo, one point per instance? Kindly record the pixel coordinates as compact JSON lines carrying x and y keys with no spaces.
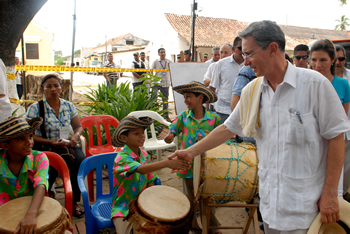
{"x":223,"y":116}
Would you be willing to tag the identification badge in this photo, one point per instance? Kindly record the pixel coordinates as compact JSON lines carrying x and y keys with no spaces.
{"x":163,"y":73}
{"x":64,"y":132}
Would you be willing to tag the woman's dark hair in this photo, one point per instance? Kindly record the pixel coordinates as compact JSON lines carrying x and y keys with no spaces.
{"x":49,"y":76}
{"x":328,"y":47}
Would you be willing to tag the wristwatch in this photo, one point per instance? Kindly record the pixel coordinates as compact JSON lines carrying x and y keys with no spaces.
{"x":78,"y":134}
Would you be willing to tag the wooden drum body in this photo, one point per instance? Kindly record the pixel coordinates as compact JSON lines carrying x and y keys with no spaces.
{"x":51,"y":218}
{"x":160,"y":209}
{"x":227,"y":173}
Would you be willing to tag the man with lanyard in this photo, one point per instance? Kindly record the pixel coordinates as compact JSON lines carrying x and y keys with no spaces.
{"x":137,"y":64}
{"x":224,"y":76}
{"x":163,"y":86}
{"x":111,"y":77}
{"x":300,"y":143}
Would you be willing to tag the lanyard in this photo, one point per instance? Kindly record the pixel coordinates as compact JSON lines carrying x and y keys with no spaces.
{"x":164,"y":67}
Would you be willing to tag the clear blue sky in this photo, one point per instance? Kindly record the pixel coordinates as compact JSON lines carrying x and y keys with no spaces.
{"x":95,"y":19}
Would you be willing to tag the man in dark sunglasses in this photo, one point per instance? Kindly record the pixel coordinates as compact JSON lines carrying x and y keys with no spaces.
{"x":301,"y":55}
{"x":340,"y":69}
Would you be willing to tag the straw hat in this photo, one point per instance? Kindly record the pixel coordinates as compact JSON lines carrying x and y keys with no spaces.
{"x":129,"y":122}
{"x":197,"y":87}
{"x":317,"y":227}
{"x":15,"y":126}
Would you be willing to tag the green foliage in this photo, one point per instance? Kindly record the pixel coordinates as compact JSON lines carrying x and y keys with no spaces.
{"x":343,"y":23}
{"x":77,"y":52}
{"x":119,"y":101}
{"x":59,"y":61}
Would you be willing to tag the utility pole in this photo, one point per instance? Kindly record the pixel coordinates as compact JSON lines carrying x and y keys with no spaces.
{"x":193,"y":24}
{"x":72,"y":59}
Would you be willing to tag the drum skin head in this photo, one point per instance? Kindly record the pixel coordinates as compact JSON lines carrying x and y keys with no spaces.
{"x":163,"y":203}
{"x":12,"y":212}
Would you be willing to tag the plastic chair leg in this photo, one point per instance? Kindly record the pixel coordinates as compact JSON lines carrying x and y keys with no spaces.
{"x":159,"y":155}
{"x":90,"y":177}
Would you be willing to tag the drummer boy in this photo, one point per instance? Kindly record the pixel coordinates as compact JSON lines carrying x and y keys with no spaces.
{"x":196,"y":121}
{"x":133,"y":171}
{"x":23,"y":172}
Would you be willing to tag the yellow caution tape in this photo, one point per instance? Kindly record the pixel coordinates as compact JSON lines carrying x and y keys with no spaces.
{"x":82,"y":69}
{"x":10,"y":76}
{"x":14,"y":100}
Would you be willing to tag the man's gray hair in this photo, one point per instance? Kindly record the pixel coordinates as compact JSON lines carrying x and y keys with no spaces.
{"x":264,"y":32}
{"x":229,"y":45}
{"x":216,"y":48}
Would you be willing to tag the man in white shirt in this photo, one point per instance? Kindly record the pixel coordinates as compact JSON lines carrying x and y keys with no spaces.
{"x":216,"y":55}
{"x":300,"y":142}
{"x":225,"y":51}
{"x":341,"y":71}
{"x":224,"y":76}
{"x":163,"y":86}
{"x":5,"y":105}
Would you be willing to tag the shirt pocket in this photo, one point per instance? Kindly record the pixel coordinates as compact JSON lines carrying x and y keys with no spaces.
{"x":300,"y":148}
{"x":298,"y":196}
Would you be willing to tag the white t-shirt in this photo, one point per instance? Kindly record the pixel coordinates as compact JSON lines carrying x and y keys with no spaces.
{"x":5,"y":105}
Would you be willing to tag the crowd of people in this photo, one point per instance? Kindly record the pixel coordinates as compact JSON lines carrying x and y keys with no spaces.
{"x":296,"y":114}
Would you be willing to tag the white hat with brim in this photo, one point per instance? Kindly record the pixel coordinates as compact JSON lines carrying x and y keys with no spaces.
{"x":343,"y":226}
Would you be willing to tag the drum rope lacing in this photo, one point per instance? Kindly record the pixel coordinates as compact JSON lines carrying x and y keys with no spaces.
{"x":249,"y":164}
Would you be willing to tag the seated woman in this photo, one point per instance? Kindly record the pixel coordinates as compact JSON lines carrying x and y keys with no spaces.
{"x":58,"y":114}
{"x":23,"y":172}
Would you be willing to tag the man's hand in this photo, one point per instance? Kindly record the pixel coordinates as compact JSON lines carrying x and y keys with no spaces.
{"x":181,"y":154}
{"x":178,"y":164}
{"x":329,"y":207}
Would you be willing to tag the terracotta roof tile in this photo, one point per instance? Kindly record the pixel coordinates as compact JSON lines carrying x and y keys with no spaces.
{"x":212,"y":32}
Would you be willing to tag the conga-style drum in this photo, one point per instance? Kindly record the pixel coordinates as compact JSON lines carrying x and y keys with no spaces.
{"x":52,"y":218}
{"x":227,"y":173}
{"x":160,"y":209}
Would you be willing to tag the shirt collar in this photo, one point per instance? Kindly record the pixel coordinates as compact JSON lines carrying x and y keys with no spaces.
{"x":289,"y":76}
{"x":4,"y":169}
{"x":207,"y":114}
{"x":132,"y":153}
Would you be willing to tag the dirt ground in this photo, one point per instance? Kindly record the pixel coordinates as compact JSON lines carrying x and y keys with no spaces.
{"x":226,"y":216}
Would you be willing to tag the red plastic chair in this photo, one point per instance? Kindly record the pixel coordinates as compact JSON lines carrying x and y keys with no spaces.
{"x":90,"y":149}
{"x":60,"y":165}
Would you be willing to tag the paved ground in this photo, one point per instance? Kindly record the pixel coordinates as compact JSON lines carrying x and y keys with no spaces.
{"x":227,"y":216}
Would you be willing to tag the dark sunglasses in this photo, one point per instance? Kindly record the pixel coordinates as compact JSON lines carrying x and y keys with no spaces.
{"x":341,"y":59}
{"x":238,"y":47}
{"x":298,"y":57}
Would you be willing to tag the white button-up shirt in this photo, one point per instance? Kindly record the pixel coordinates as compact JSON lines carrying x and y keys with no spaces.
{"x":224,"y":76}
{"x":292,"y":152}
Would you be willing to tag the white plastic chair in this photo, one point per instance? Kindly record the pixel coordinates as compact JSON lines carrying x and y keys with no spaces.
{"x":153,"y":143}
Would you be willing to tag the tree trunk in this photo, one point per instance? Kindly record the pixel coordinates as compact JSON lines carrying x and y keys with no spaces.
{"x":15,"y":15}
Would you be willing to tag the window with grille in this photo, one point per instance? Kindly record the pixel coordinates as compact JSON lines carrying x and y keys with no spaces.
{"x":32,"y":51}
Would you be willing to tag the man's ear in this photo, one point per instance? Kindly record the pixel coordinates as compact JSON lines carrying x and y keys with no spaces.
{"x":4,"y":146}
{"x":274,"y":47}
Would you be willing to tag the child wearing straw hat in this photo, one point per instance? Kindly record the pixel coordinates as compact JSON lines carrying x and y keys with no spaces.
{"x":23,"y":172}
{"x":195,"y":122}
{"x":133,"y":171}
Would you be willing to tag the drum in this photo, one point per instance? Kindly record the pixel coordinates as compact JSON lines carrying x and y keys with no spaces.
{"x":227,"y":173}
{"x":51,"y":218}
{"x":160,"y":209}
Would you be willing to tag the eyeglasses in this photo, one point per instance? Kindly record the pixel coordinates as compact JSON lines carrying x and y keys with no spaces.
{"x":238,"y":47}
{"x":246,"y":55}
{"x":298,"y":57}
{"x":341,"y":59}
